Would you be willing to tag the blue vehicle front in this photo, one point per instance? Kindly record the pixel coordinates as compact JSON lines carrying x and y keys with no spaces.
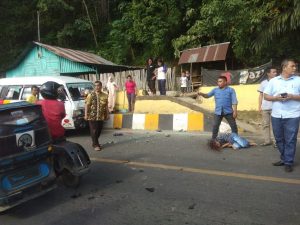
{"x":26,"y":159}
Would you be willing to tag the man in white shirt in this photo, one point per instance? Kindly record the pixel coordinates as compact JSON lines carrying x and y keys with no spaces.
{"x":265,"y":107}
{"x":284,"y":92}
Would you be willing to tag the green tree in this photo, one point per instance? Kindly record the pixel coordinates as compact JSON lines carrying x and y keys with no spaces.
{"x":130,"y":31}
{"x":17,"y":27}
{"x":285,"y":20}
{"x":226,"y":20}
{"x":146,"y":28}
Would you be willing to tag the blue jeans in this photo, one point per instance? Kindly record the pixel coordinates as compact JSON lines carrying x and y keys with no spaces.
{"x":162,"y":86}
{"x":285,"y":133}
{"x":238,"y":141}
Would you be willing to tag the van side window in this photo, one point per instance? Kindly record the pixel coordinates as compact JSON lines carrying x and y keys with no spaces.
{"x":26,"y":93}
{"x":12,"y":92}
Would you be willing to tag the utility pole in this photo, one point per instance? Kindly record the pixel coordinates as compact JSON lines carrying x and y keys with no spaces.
{"x":38,"y":24}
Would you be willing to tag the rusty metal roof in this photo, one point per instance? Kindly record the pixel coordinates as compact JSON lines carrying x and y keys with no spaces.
{"x":216,"y":52}
{"x":76,"y":55}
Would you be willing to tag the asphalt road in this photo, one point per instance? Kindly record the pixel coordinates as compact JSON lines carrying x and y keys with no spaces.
{"x":169,"y":178}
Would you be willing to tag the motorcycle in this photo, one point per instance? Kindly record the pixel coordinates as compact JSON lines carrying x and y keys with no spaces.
{"x":30,"y":163}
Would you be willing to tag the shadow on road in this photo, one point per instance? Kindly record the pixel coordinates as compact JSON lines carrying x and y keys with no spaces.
{"x":102,"y":177}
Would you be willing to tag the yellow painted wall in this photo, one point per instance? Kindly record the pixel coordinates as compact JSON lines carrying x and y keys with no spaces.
{"x":160,"y":106}
{"x":152,"y":106}
{"x":121,"y":101}
{"x":247,"y":96}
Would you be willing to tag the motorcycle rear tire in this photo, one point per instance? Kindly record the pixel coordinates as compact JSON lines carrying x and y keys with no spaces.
{"x":70,"y":180}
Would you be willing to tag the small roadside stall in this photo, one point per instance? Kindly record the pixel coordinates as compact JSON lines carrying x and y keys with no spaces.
{"x":195,"y":58}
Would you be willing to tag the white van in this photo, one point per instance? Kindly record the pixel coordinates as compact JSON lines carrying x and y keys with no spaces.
{"x":17,"y":89}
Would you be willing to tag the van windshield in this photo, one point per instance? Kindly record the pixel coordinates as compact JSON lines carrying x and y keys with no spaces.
{"x":78,"y":90}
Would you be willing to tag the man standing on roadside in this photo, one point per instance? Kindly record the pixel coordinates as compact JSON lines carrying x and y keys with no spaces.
{"x":265,"y":107}
{"x":96,"y":111}
{"x":226,"y":105}
{"x":284,"y":92}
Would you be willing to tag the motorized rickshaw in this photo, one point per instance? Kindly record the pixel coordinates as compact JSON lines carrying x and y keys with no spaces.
{"x":30,"y":162}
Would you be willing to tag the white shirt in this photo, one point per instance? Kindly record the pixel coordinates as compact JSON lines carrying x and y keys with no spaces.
{"x":161,"y":74}
{"x":183,"y":81}
{"x":265,"y":105}
{"x":284,"y":109}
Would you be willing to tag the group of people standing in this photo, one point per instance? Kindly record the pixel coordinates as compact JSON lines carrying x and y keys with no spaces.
{"x":156,"y":72}
{"x":284,"y":93}
{"x":279,"y":103}
{"x":112,"y":88}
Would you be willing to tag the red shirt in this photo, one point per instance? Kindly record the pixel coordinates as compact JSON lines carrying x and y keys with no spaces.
{"x":130,"y":87}
{"x":54,"y":112}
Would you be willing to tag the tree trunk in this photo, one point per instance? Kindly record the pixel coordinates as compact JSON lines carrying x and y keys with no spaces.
{"x":92,"y":27}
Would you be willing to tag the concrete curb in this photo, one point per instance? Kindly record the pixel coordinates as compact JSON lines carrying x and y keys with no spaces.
{"x":208,"y":116}
{"x":175,"y":122}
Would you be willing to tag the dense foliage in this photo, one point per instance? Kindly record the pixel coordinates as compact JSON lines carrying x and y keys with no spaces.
{"x":128,"y":32}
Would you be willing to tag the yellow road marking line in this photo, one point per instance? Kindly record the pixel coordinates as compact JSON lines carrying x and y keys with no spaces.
{"x":201,"y":171}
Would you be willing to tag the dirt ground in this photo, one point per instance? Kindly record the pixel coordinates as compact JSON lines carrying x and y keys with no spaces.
{"x":250,"y":117}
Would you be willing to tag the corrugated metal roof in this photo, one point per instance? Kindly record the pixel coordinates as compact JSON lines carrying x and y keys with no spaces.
{"x":208,"y":53}
{"x":76,"y":55}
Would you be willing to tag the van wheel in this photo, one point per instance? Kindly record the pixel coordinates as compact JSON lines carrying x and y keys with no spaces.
{"x":69,"y":180}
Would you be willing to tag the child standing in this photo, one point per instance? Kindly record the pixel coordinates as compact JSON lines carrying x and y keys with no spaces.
{"x":183,"y":83}
{"x":189,"y":81}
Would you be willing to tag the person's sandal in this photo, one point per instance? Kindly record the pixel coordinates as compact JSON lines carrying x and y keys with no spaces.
{"x":97,"y":148}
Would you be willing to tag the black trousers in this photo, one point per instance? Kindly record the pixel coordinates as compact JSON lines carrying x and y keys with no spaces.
{"x":95,"y":130}
{"x":151,"y":85}
{"x":218,"y":120}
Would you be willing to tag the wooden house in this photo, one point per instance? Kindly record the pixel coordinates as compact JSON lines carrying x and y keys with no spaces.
{"x":45,"y":60}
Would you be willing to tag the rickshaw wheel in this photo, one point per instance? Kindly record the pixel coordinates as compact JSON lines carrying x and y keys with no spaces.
{"x":69,"y":179}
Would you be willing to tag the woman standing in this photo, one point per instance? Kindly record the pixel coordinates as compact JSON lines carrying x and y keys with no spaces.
{"x":112,"y":89}
{"x":161,"y":76}
{"x":151,"y":75}
{"x":130,"y":87}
